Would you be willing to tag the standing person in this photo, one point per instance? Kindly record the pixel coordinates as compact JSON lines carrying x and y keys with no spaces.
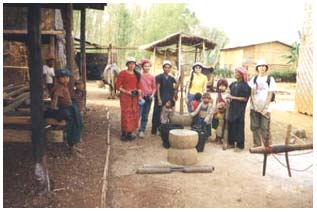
{"x":128,"y":83}
{"x":238,"y":97}
{"x":197,"y":84}
{"x":219,"y":116}
{"x":165,"y":85}
{"x":49,"y":74}
{"x":263,"y":87}
{"x":148,"y":89}
{"x":79,"y":96}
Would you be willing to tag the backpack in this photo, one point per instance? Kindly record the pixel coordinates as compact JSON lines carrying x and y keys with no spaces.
{"x":268,"y":82}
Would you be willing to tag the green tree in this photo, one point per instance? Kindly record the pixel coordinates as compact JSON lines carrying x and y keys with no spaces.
{"x":293,"y":55}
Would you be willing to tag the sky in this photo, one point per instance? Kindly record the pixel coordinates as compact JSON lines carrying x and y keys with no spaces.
{"x":249,"y":21}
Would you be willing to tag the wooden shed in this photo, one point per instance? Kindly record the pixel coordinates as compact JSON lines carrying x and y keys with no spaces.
{"x":179,"y":49}
{"x":247,"y":55}
{"x":304,"y":78}
{"x":29,"y":34}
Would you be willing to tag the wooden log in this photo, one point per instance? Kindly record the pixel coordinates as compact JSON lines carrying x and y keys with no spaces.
{"x":25,"y":136}
{"x":280,"y":148}
{"x":16,"y":92}
{"x":24,"y":120}
{"x":19,"y":100}
{"x":12,"y":87}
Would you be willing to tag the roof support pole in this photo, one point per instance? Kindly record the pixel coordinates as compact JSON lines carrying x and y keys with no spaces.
{"x":204,"y":53}
{"x":70,"y":43}
{"x":83,"y":48}
{"x":36,"y":95}
{"x":181,"y":74}
{"x":154,"y":55}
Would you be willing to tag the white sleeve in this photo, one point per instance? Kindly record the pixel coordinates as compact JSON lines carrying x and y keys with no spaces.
{"x":251,"y":83}
{"x":53,"y":73}
{"x":44,"y":70}
{"x":272,"y":84}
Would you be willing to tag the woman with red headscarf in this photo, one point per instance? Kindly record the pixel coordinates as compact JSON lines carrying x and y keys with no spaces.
{"x":238,"y":97}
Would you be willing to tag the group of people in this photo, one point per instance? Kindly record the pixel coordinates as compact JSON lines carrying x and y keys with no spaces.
{"x":138,"y":90}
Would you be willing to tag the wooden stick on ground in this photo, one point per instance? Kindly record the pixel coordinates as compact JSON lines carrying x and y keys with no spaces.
{"x":104,"y":179}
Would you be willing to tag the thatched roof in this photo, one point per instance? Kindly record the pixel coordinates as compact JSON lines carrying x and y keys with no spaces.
{"x":187,"y":40}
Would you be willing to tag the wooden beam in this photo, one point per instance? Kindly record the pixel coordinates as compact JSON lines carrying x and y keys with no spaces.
{"x":25,"y":136}
{"x":17,"y":67}
{"x":25,"y":32}
{"x":280,"y":148}
{"x":25,"y":120}
{"x":36,"y":89}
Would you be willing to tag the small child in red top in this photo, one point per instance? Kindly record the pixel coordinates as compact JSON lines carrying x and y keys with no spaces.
{"x":197,"y":99}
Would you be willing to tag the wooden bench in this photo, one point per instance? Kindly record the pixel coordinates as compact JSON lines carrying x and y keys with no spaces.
{"x":25,"y":136}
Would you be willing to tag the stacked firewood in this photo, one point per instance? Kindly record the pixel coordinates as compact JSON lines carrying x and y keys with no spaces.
{"x":14,"y":96}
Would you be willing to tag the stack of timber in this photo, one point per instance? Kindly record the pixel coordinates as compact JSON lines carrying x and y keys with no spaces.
{"x":17,"y":119}
{"x":14,"y":96}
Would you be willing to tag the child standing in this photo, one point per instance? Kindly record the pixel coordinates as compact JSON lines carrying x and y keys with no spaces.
{"x":220,"y":111}
{"x":79,"y":96}
{"x":238,"y":98}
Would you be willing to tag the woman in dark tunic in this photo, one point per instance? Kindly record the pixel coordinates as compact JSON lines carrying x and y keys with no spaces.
{"x":239,"y":96}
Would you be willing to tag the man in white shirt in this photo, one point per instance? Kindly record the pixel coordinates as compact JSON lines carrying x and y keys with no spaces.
{"x":49,"y":73}
{"x":262,"y":94}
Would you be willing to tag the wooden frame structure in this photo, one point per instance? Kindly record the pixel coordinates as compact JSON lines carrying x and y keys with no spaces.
{"x":180,"y":39}
{"x":32,"y":36}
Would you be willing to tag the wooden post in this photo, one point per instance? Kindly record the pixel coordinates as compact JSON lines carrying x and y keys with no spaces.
{"x":154,"y":55}
{"x":36,"y":92}
{"x":110,"y":59}
{"x":264,"y":165}
{"x":70,"y":43}
{"x":83,"y":49}
{"x":52,"y":46}
{"x":181,"y":72}
{"x":204,"y":53}
{"x":195,"y":54}
{"x":83,"y":45}
{"x":287,"y":138}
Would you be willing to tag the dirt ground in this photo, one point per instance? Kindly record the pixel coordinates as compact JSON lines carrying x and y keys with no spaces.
{"x":236,"y":182}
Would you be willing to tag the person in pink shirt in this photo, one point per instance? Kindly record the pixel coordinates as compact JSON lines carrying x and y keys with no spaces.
{"x":148,"y":89}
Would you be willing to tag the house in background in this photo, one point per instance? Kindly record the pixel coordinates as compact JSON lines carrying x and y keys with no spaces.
{"x":247,"y":55}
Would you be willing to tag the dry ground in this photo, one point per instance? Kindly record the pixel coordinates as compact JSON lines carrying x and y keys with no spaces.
{"x":236,"y":182}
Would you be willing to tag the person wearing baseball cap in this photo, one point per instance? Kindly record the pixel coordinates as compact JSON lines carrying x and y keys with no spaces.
{"x":263,"y":86}
{"x":165,"y":85}
{"x":66,"y":109}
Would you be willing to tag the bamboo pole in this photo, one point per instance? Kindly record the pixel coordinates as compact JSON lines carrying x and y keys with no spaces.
{"x":181,"y":74}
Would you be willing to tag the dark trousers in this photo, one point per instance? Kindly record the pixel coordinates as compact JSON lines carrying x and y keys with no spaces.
{"x":236,"y":132}
{"x":156,"y":117}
